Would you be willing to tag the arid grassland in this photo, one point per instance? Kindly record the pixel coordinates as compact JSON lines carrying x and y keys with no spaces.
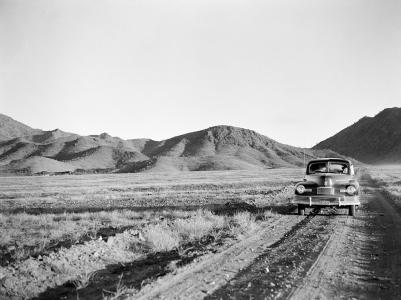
{"x":81,"y":193}
{"x":108,"y":236}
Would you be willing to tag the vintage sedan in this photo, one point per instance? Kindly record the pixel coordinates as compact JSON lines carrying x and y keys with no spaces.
{"x":329,"y":182}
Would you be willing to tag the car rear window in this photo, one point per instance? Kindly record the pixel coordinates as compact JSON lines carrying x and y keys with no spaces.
{"x":329,"y":167}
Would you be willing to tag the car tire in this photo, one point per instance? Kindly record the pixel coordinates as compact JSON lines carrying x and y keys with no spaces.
{"x":352,"y":210}
{"x":301,"y":210}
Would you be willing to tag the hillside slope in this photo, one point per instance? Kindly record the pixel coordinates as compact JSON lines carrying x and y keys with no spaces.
{"x":35,"y":165}
{"x":225,"y":147}
{"x":65,"y":151}
{"x":10,"y":128}
{"x":374,"y":140}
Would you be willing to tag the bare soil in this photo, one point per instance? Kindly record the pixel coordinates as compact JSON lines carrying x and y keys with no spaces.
{"x":7,"y":257}
{"x":135,"y":274}
{"x":202,"y":278}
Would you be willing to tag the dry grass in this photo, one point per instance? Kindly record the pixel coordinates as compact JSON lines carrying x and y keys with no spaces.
{"x":161,"y":238}
{"x":38,"y":231}
{"x":21,"y":230}
{"x":79,"y":263}
{"x":153,"y":230}
{"x":166,"y":236}
{"x":83,"y":280}
{"x":25,"y":235}
{"x":121,"y":290}
{"x":245,"y":221}
{"x":148,"y":190}
{"x":198,"y":226}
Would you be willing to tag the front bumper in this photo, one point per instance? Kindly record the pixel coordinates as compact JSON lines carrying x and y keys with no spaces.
{"x":326,"y":200}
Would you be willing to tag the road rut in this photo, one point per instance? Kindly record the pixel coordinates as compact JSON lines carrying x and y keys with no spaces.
{"x":363,"y":259}
{"x":198,"y":280}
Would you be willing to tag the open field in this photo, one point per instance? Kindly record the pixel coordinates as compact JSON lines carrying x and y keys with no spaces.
{"x":213,"y":235}
{"x":57,"y":194}
{"x":58,"y":232}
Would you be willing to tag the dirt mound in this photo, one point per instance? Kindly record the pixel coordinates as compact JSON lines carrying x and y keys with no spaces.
{"x":375,"y":140}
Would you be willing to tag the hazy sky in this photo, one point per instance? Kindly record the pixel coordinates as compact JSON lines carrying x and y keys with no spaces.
{"x":296,"y":71}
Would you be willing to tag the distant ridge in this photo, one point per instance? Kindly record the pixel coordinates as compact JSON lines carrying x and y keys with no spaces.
{"x":373,"y":140}
{"x":216,"y":148}
{"x":10,"y":128}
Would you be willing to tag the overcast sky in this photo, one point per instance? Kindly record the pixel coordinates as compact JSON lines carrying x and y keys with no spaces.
{"x":296,"y":71}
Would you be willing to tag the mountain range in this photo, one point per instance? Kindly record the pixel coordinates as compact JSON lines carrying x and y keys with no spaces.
{"x":24,"y":150}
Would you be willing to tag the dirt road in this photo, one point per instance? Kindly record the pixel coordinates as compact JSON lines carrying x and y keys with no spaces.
{"x":325,"y":255}
{"x":362,"y":259}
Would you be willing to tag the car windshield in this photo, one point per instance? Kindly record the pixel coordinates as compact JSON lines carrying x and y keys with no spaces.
{"x":329,"y":167}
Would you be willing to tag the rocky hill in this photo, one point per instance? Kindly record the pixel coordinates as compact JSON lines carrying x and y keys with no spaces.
{"x":215,"y":148}
{"x":9,"y":128}
{"x":374,"y":140}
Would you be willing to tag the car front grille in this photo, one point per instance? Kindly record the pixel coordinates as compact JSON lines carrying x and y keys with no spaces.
{"x":325,"y":191}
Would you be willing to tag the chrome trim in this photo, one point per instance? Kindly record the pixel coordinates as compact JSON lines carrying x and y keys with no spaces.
{"x":325,"y":190}
{"x":317,"y":200}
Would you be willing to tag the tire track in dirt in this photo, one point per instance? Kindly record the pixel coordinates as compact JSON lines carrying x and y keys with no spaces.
{"x":363,"y":259}
{"x":200,"y":279}
{"x":275,"y":273}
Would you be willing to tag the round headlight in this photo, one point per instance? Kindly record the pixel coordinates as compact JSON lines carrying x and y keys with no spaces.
{"x":300,"y":189}
{"x":351,"y":190}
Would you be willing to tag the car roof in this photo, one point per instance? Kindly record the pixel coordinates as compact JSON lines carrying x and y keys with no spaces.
{"x":330,"y":159}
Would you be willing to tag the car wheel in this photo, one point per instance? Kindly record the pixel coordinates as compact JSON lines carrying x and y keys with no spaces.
{"x":301,"y":210}
{"x":351,"y":210}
